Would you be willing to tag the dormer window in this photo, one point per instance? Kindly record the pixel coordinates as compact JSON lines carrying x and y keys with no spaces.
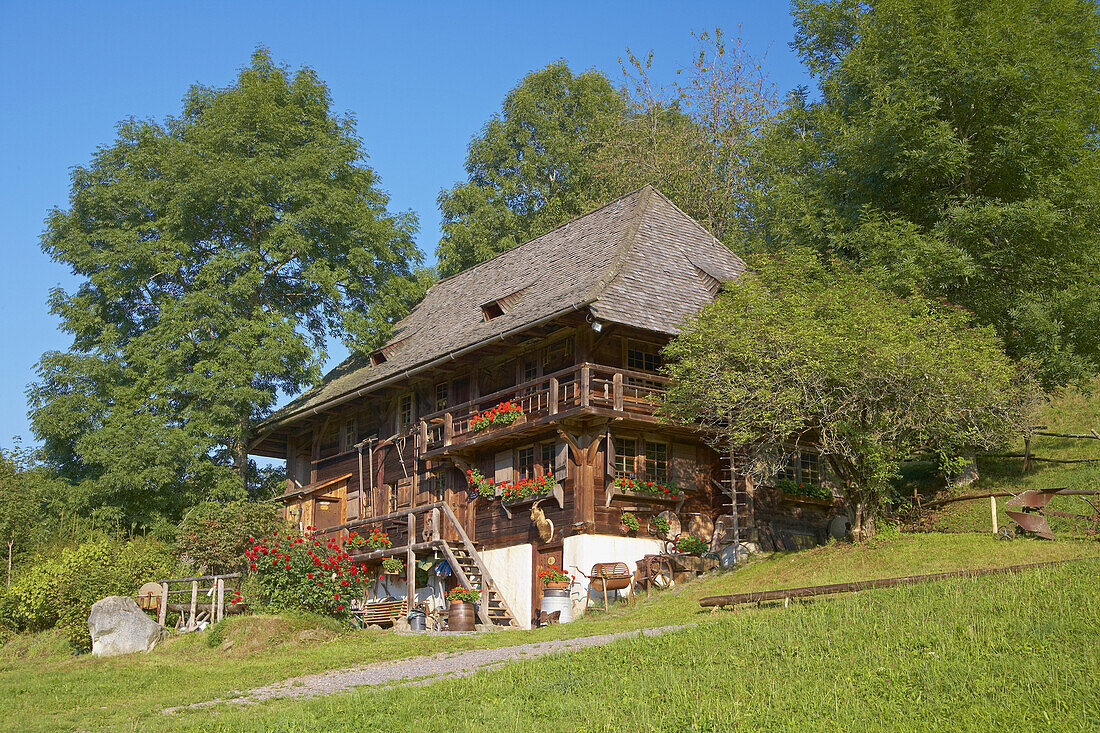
{"x":492,"y":309}
{"x":377,"y":358}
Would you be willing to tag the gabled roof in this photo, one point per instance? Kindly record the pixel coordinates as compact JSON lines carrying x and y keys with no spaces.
{"x":638,"y":261}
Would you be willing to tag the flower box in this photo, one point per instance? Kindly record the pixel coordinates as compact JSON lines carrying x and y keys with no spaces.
{"x":807,"y":500}
{"x":556,"y":493}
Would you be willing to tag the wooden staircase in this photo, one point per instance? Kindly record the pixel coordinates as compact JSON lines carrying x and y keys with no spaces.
{"x":471,"y":572}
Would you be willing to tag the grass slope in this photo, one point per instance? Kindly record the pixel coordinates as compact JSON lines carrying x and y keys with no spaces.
{"x":127,"y":693}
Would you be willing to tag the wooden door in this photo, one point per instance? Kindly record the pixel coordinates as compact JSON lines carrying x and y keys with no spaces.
{"x":545,"y":558}
{"x":326,"y":513}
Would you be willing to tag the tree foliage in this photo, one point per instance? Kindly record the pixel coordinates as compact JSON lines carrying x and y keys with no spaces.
{"x":532,"y":166}
{"x":799,"y":350}
{"x":216,"y":536}
{"x":954,"y":149}
{"x":216,"y":252}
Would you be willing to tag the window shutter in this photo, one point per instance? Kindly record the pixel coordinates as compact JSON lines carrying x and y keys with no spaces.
{"x":609,"y":449}
{"x":502,"y":464}
{"x":561,"y":461}
{"x":682,"y":470}
{"x":353,"y":504}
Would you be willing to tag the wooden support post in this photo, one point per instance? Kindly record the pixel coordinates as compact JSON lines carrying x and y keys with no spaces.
{"x":448,"y":428}
{"x":194,"y":603}
{"x":553,"y":395}
{"x":410,"y":565}
{"x":435,"y":524}
{"x":162,"y":616}
{"x":585,"y":386}
{"x":221,"y":599}
{"x":423,"y":435}
{"x":617,"y":386}
{"x":993,"y":513}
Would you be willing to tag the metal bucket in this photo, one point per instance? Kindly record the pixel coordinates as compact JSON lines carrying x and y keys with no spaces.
{"x":417,"y":621}
{"x":460,"y":617}
{"x":555,"y":599}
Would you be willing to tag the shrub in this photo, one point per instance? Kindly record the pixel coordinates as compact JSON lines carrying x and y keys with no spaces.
{"x":61,"y":590}
{"x":691,"y":545}
{"x":302,"y":573}
{"x":215,"y":535}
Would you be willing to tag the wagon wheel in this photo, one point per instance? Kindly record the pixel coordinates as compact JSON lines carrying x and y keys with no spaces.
{"x":662,"y":577}
{"x":1006,"y":533}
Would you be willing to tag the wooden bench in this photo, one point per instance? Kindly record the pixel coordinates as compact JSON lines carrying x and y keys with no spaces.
{"x":382,"y":612}
{"x":607,"y":576}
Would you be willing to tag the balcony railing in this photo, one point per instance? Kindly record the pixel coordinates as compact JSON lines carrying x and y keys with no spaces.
{"x":579,"y":387}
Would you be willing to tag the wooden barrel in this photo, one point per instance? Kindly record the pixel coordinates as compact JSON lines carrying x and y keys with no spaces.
{"x":460,"y":616}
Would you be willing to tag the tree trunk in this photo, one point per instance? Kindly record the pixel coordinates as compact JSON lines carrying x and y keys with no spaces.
{"x":861,"y":519}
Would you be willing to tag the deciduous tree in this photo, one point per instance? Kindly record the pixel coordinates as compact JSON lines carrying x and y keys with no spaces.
{"x":798,"y":350}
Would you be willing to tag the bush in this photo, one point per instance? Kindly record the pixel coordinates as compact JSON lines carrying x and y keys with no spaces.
{"x":299,"y":573}
{"x":60,"y":591}
{"x":215,"y":536}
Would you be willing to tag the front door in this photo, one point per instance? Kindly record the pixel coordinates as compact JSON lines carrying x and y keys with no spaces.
{"x":545,"y":558}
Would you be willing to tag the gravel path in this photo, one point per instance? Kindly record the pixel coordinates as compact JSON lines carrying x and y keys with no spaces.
{"x":417,"y":670}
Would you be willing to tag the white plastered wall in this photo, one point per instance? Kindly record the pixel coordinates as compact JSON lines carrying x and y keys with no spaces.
{"x":511,"y":571}
{"x":585,"y":550}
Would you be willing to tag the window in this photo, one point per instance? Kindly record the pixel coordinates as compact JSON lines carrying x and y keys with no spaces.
{"x":442,"y":395}
{"x":626,"y":450}
{"x":492,"y":310}
{"x":377,"y":358}
{"x":530,"y":370}
{"x":547,"y":457}
{"x":525,"y":463}
{"x":642,"y":357}
{"x":656,"y":461}
{"x":803,"y":468}
{"x":404,"y":412}
{"x":351,"y":434}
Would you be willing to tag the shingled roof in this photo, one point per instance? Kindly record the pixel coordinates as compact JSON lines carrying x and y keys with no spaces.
{"x":638,"y":261}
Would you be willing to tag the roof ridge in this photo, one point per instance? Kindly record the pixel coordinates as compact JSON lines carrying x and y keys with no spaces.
{"x":627,"y":245}
{"x":692,"y":219}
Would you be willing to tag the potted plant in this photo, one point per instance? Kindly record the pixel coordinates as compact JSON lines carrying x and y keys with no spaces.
{"x":460,"y":609}
{"x":378,"y":540}
{"x":628,"y":523}
{"x":354,"y":540}
{"x":659,"y":526}
{"x":689,"y":544}
{"x":801,"y":493}
{"x":393,"y":566}
{"x":555,"y":579}
{"x":479,"y":485}
{"x":648,"y":487}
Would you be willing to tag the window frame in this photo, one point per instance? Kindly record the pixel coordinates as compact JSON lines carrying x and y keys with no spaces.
{"x":651,"y":464}
{"x":624,"y":469}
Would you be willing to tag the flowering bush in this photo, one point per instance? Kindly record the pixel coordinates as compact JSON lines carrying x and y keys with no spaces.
{"x":478,"y":484}
{"x":648,"y":487}
{"x":505,"y":413}
{"x":555,"y":576}
{"x":541,"y":484}
{"x":393,"y":565}
{"x":463,"y":595}
{"x":304,"y":573}
{"x":629,"y":521}
{"x":689,"y":544}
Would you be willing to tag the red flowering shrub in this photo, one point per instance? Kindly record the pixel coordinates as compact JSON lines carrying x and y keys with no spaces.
{"x":505,"y":413}
{"x":304,"y":573}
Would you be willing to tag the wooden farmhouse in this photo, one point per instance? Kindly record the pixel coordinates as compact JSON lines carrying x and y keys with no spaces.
{"x":566,"y":331}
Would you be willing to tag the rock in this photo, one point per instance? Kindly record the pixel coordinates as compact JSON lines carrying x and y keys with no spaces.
{"x":401,"y":624}
{"x":227,"y":645}
{"x":118,"y":626}
{"x":486,"y":627}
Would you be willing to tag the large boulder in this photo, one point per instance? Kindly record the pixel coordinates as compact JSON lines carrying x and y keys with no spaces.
{"x":118,"y":626}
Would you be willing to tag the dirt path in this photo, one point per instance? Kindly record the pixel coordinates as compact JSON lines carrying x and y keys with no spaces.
{"x":417,"y":670}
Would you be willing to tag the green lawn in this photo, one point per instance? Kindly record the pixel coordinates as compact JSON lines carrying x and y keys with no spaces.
{"x":127,"y":693}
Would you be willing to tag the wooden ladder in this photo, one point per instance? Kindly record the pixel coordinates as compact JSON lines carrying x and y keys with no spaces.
{"x":471,"y":572}
{"x":727,"y":486}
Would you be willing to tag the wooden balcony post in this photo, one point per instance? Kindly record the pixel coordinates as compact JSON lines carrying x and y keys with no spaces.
{"x":423,"y":435}
{"x":410,"y":564}
{"x":553,"y":395}
{"x":617,"y":387}
{"x":448,"y":428}
{"x":586,"y":382}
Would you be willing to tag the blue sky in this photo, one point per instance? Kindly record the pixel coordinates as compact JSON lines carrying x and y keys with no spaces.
{"x":421,"y":78}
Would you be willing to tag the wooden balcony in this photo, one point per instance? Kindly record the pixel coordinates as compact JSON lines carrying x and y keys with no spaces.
{"x":584,"y":388}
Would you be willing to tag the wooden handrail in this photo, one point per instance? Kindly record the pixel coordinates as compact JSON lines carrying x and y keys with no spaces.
{"x":501,"y":393}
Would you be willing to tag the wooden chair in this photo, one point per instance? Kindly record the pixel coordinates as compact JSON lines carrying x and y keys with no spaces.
{"x":607,"y":576}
